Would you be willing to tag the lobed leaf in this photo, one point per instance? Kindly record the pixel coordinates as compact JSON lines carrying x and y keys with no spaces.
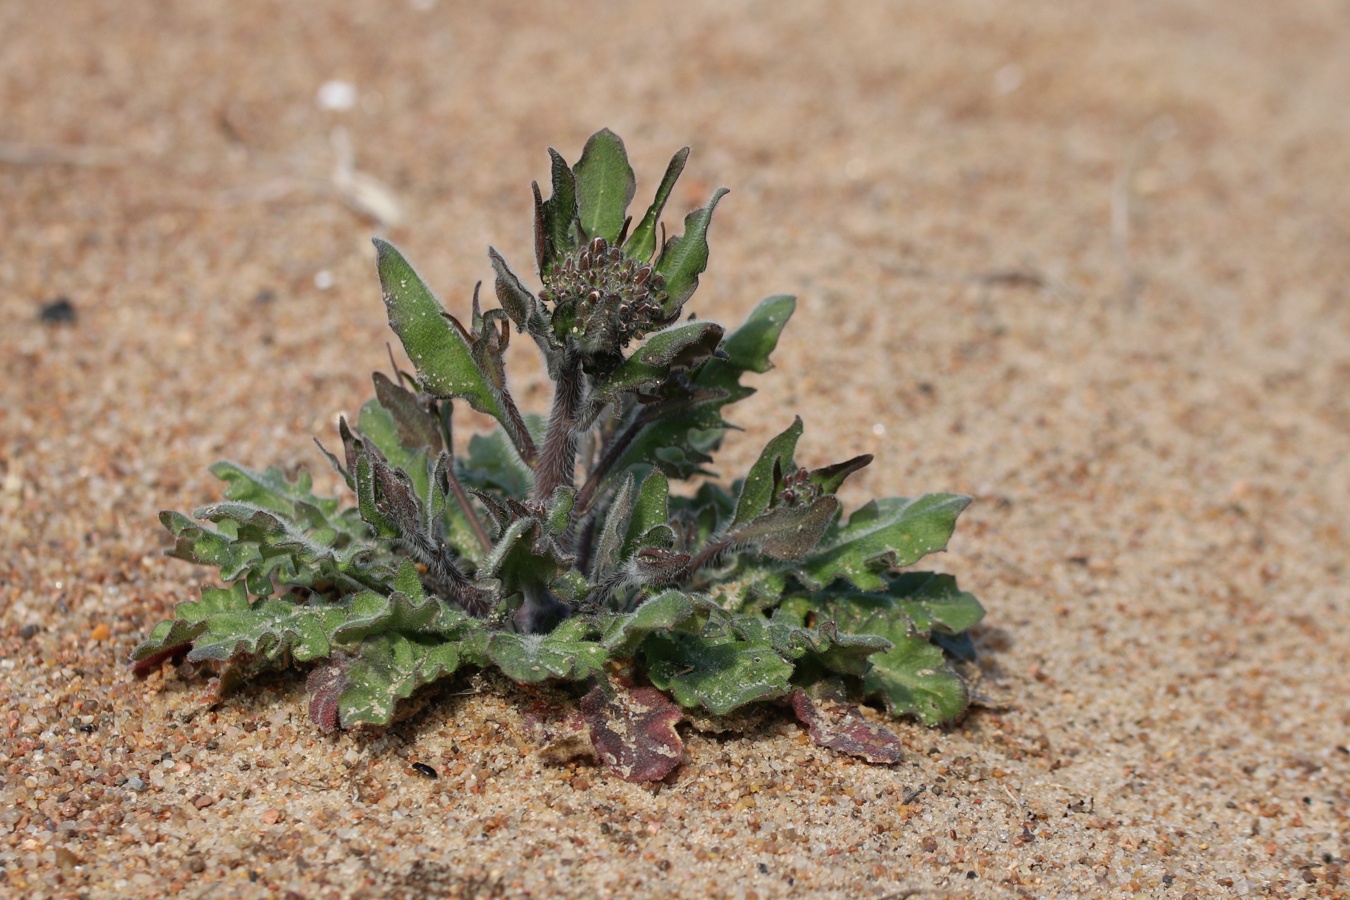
{"x":565,"y":653}
{"x":389,"y":668}
{"x":718,"y":671}
{"x":884,"y":534}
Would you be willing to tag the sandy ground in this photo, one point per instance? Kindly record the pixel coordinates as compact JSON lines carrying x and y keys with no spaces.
{"x":1088,"y":265}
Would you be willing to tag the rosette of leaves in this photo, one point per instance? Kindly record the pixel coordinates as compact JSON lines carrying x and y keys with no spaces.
{"x":554,"y":548}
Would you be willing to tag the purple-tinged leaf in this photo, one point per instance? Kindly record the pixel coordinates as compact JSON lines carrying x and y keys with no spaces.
{"x":325,"y":684}
{"x":841,"y":727}
{"x":633,"y":731}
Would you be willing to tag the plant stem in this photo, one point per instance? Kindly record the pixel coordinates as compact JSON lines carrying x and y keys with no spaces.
{"x":613,"y":450}
{"x":462,"y":497}
{"x":557,"y":460}
{"x":444,"y":415}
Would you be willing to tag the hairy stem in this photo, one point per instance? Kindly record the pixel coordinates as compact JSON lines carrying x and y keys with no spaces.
{"x":557,"y":460}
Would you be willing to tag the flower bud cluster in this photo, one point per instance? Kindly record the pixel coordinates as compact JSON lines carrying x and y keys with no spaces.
{"x":602,"y":299}
{"x":798,"y":489}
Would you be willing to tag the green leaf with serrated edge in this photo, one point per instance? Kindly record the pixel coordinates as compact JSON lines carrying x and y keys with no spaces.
{"x":835,"y":648}
{"x":275,"y":630}
{"x":558,"y":214}
{"x":407,"y":610}
{"x":663,"y":612}
{"x":757,"y":490}
{"x":678,"y":346}
{"x":884,"y":534}
{"x":564,"y":653}
{"x":717,"y":674}
{"x":605,"y":185}
{"x":685,"y":257}
{"x":642,"y":241}
{"x":389,"y":668}
{"x":914,"y":678}
{"x":439,"y":351}
{"x":415,"y":427}
{"x":190,"y":618}
{"x":208,"y":547}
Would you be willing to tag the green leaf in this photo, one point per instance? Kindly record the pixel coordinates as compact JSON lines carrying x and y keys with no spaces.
{"x":609,"y":549}
{"x":605,"y":186}
{"x":271,"y":489}
{"x":557,"y":216}
{"x":690,"y":426}
{"x":718,"y":674}
{"x":914,"y":678}
{"x":380,"y":426}
{"x":389,"y":668}
{"x":884,"y":534}
{"x":565,"y":653}
{"x":650,"y":509}
{"x":685,"y":257}
{"x":493,"y":463}
{"x":439,"y":350}
{"x":667,"y":610}
{"x":642,"y":241}
{"x":934,"y":604}
{"x":415,"y":427}
{"x":757,"y":491}
{"x":747,"y":349}
{"x":274,"y":630}
{"x":678,"y":346}
{"x":406,"y":610}
{"x":190,"y":619}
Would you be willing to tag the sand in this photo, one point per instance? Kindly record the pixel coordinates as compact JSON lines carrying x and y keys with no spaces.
{"x":1087,"y":265}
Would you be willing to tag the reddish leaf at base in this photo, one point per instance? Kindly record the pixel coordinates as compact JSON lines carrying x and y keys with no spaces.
{"x":326,"y":683}
{"x":841,"y":727}
{"x":633,"y":731}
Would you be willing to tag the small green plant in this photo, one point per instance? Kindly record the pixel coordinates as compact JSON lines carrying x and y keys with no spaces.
{"x":554,"y":548}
